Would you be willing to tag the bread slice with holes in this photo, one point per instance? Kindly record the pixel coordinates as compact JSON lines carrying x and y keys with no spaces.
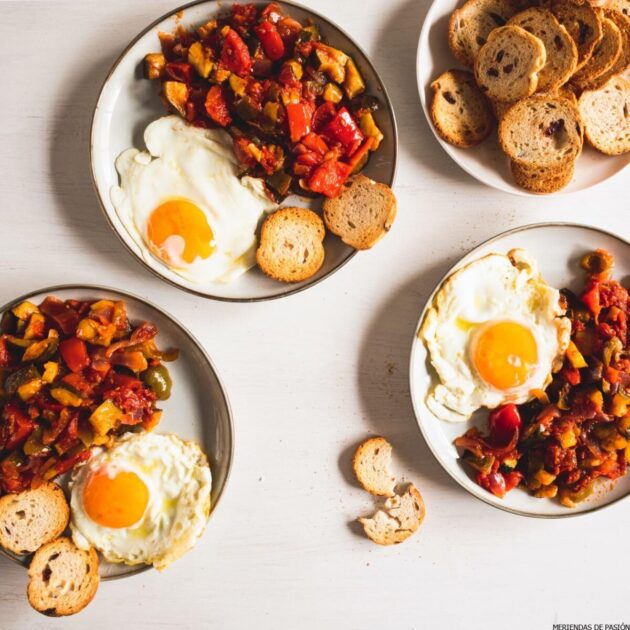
{"x":362,"y":214}
{"x":604,"y":56}
{"x":32,"y":518}
{"x":470,"y":25}
{"x":62,"y":579}
{"x":623,"y":6}
{"x":606,"y":116}
{"x":560,"y":49}
{"x":400,"y":517}
{"x":582,"y":23}
{"x":542,"y":181}
{"x":291,"y":245}
{"x":507,"y":66}
{"x":459,"y":111}
{"x":371,"y":463}
{"x":542,"y":131}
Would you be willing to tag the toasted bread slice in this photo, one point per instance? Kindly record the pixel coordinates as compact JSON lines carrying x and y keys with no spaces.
{"x":371,"y":466}
{"x":32,"y":518}
{"x":459,"y":110}
{"x":63,"y":579}
{"x":362,"y":214}
{"x":400,"y":517}
{"x":605,"y":113}
{"x":604,"y":56}
{"x":471,"y":24}
{"x":561,"y":52}
{"x":542,"y":181}
{"x":583,"y":24}
{"x":291,"y":245}
{"x":542,"y":131}
{"x":507,"y":66}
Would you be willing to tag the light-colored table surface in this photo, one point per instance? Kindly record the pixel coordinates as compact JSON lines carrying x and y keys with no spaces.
{"x":308,"y":376}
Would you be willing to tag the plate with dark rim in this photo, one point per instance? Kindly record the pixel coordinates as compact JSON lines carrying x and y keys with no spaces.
{"x":557,"y":248}
{"x":127,"y":104}
{"x":198,"y":408}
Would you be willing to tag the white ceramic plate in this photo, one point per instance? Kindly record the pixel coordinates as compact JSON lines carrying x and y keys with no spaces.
{"x":128,"y":103}
{"x":198,"y":408}
{"x":486,"y":162}
{"x":558,"y":248}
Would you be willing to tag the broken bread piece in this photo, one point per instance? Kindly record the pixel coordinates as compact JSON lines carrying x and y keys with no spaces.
{"x":63,"y":579}
{"x":400,"y":517}
{"x":31,"y":518}
{"x":371,"y":466}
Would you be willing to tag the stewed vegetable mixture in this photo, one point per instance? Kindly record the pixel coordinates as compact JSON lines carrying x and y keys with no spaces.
{"x":73,"y":374}
{"x":295,"y":106}
{"x":578,"y":429}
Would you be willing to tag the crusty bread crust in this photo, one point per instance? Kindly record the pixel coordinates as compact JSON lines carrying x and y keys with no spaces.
{"x":32,"y":518}
{"x":604,"y":56}
{"x":507,"y":66}
{"x":459,"y":110}
{"x":291,"y":245}
{"x":583,"y":24}
{"x":63,"y":579}
{"x":371,"y":466}
{"x":541,"y":182}
{"x":362,"y":214}
{"x":400,"y":517}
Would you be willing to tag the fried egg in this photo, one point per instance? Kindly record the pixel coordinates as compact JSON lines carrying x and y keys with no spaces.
{"x":495,"y":333}
{"x":146,"y":500}
{"x":184,"y":205}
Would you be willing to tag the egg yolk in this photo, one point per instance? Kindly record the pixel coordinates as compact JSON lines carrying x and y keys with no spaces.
{"x":118,"y":501}
{"x":178,"y":232}
{"x":505,"y":354}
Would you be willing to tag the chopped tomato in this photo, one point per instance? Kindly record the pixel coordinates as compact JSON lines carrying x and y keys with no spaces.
{"x":322,"y":116}
{"x":299,"y":116}
{"x":493,"y":482}
{"x":314,"y":142}
{"x":270,"y":39}
{"x":180,"y":71}
{"x":590,"y":297}
{"x":272,"y":12}
{"x":343,"y":129}
{"x":217,"y":106}
{"x":505,"y":422}
{"x":74,"y":353}
{"x":235,"y":54}
{"x":62,"y":314}
{"x":329,"y":177}
{"x":17,"y":426}
{"x":572,"y":375}
{"x":5,"y":355}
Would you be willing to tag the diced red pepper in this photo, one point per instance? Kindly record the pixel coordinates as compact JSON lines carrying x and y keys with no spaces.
{"x":612,"y":374}
{"x":590,"y":297}
{"x":329,"y":177}
{"x":5,"y":355}
{"x":512,"y":480}
{"x":314,"y":142}
{"x":217,"y":106}
{"x":180,"y":71}
{"x":299,"y":116}
{"x":17,"y":426}
{"x":243,"y":16}
{"x":323,"y":115}
{"x":63,"y":315}
{"x":74,"y":353}
{"x":272,"y":12}
{"x":361,"y":152}
{"x":270,"y":39}
{"x":571,"y":375}
{"x":68,"y":464}
{"x":504,"y":422}
{"x":492,"y":482}
{"x":235,"y":54}
{"x":289,"y":30}
{"x":343,"y":129}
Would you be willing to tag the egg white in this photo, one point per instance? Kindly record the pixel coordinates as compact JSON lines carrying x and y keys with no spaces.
{"x":182,"y":161}
{"x":178,"y":478}
{"x":491,"y":289}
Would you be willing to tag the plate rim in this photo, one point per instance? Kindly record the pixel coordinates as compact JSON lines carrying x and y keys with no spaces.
{"x":451,"y":150}
{"x":415,"y":340}
{"x":78,"y":286}
{"x":318,"y":16}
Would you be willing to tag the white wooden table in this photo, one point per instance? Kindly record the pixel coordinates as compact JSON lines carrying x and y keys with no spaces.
{"x":308,"y":376}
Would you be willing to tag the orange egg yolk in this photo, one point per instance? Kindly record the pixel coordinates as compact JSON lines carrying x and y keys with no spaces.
{"x":118,"y":501}
{"x":505,"y":354}
{"x":178,"y":232}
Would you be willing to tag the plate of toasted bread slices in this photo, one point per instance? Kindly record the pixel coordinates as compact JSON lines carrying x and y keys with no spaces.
{"x":116,"y":440}
{"x":198,"y":139}
{"x":529,"y":97}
